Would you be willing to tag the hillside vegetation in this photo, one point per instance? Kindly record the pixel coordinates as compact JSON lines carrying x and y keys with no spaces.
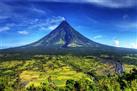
{"x":66,"y":73}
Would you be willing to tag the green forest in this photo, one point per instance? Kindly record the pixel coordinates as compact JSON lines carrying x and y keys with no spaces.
{"x":67,"y":73}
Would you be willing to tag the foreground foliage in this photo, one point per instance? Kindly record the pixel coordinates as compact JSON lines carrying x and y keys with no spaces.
{"x":65,"y":73}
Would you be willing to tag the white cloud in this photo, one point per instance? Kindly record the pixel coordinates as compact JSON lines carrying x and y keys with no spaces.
{"x":104,"y":3}
{"x":125,"y":16}
{"x":45,"y":25}
{"x":131,"y":25}
{"x":98,"y":37}
{"x":23,"y":32}
{"x":92,"y":20}
{"x":51,"y":27}
{"x":5,"y":10}
{"x":127,"y":26}
{"x":55,"y":19}
{"x":3,"y":17}
{"x":38,"y":10}
{"x":134,"y":45}
{"x":114,"y":3}
{"x":117,"y":43}
{"x":131,"y":45}
{"x":53,"y":22}
{"x":6,"y":28}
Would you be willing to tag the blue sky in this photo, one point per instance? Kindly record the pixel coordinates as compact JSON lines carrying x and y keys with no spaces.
{"x":111,"y":22}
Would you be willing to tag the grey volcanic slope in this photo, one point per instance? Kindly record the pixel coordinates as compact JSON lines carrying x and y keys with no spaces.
{"x":64,"y":36}
{"x":65,"y":39}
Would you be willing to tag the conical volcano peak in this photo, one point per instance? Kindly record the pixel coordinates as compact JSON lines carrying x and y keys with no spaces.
{"x":63,"y":36}
{"x":63,"y":24}
{"x":65,"y":39}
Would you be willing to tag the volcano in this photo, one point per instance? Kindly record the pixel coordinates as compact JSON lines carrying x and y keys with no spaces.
{"x":65,"y":39}
{"x":64,"y":36}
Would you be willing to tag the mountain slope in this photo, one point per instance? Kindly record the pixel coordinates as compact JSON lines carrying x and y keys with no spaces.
{"x":65,"y":39}
{"x":64,"y":36}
